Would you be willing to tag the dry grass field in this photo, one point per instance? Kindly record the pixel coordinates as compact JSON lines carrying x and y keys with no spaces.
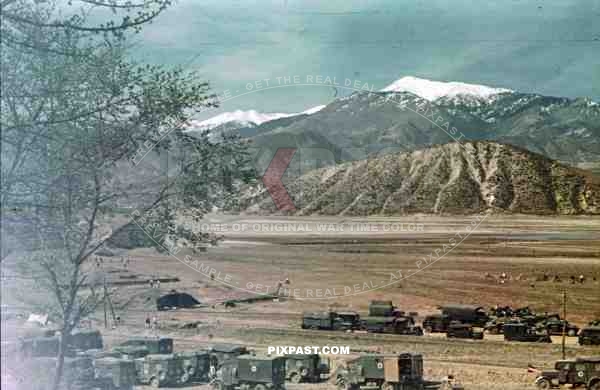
{"x":360,"y":256}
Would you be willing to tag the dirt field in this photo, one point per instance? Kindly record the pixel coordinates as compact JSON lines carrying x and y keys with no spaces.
{"x":346,"y":262}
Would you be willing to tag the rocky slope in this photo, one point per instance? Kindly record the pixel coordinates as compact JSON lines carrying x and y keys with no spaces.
{"x":451,"y":178}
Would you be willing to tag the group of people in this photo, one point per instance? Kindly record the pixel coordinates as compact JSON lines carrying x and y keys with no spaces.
{"x":151,"y":323}
{"x":154,"y":283}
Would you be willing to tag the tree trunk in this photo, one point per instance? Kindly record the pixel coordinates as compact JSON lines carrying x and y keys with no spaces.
{"x":60,"y":359}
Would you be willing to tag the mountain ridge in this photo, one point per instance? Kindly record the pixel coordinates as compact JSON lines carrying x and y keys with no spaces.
{"x":452,"y":178}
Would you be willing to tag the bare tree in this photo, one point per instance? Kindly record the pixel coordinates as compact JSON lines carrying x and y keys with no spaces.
{"x":75,"y":114}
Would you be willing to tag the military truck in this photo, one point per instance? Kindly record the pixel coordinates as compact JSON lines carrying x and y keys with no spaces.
{"x":392,"y":325}
{"x":575,"y":372}
{"x":589,"y":336}
{"x":304,"y":368}
{"x":154,"y":345}
{"x":158,"y":370}
{"x":115,"y":374}
{"x":496,"y":325}
{"x":463,"y":331}
{"x":219,"y":353}
{"x":555,"y":327}
{"x":251,"y":372}
{"x":524,"y":332}
{"x":196,"y":366}
{"x":347,"y":320}
{"x":84,"y":340}
{"x":78,"y":373}
{"x":38,"y":347}
{"x":382,"y":309}
{"x":436,"y":323}
{"x":384,"y":372}
{"x":330,"y":320}
{"x":467,"y":314}
{"x":127,"y":351}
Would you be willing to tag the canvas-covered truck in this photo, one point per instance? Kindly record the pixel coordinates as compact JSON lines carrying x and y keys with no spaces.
{"x":330,"y":320}
{"x":382,"y":309}
{"x":251,"y":372}
{"x":575,"y":372}
{"x":305,"y":368}
{"x":154,"y":345}
{"x":385,"y":372}
{"x":391,"y":325}
{"x":524,"y":332}
{"x":467,"y":314}
{"x":589,"y":335}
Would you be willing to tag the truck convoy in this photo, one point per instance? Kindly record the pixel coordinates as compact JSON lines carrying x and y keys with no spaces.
{"x":383,"y":317}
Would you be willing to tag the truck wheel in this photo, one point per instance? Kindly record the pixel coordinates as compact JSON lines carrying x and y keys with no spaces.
{"x":260,"y":387}
{"x":295,"y":377}
{"x":595,"y":386}
{"x":387,"y":386}
{"x":154,"y":383}
{"x":218,"y":385}
{"x":343,"y":385}
{"x":184,"y":378}
{"x":543,"y":384}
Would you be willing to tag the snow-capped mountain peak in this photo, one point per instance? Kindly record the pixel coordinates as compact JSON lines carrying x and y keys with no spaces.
{"x":247,"y":118}
{"x":433,"y":90}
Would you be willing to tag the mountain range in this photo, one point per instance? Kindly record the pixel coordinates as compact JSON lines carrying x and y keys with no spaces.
{"x":364,"y":123}
{"x":412,"y":137}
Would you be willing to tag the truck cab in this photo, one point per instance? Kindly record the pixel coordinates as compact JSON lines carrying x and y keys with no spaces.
{"x":195,"y":365}
{"x":589,"y":336}
{"x":463,"y":331}
{"x":219,"y":353}
{"x":115,"y":373}
{"x":157,"y":370}
{"x":574,"y":372}
{"x":304,"y":368}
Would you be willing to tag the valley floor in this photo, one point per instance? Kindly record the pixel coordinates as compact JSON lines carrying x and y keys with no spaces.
{"x":484,"y":260}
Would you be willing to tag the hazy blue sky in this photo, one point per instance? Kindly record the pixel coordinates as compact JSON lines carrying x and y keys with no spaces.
{"x":551,"y":46}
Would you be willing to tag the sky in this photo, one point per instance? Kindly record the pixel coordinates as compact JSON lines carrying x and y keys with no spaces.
{"x":550,"y":47}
